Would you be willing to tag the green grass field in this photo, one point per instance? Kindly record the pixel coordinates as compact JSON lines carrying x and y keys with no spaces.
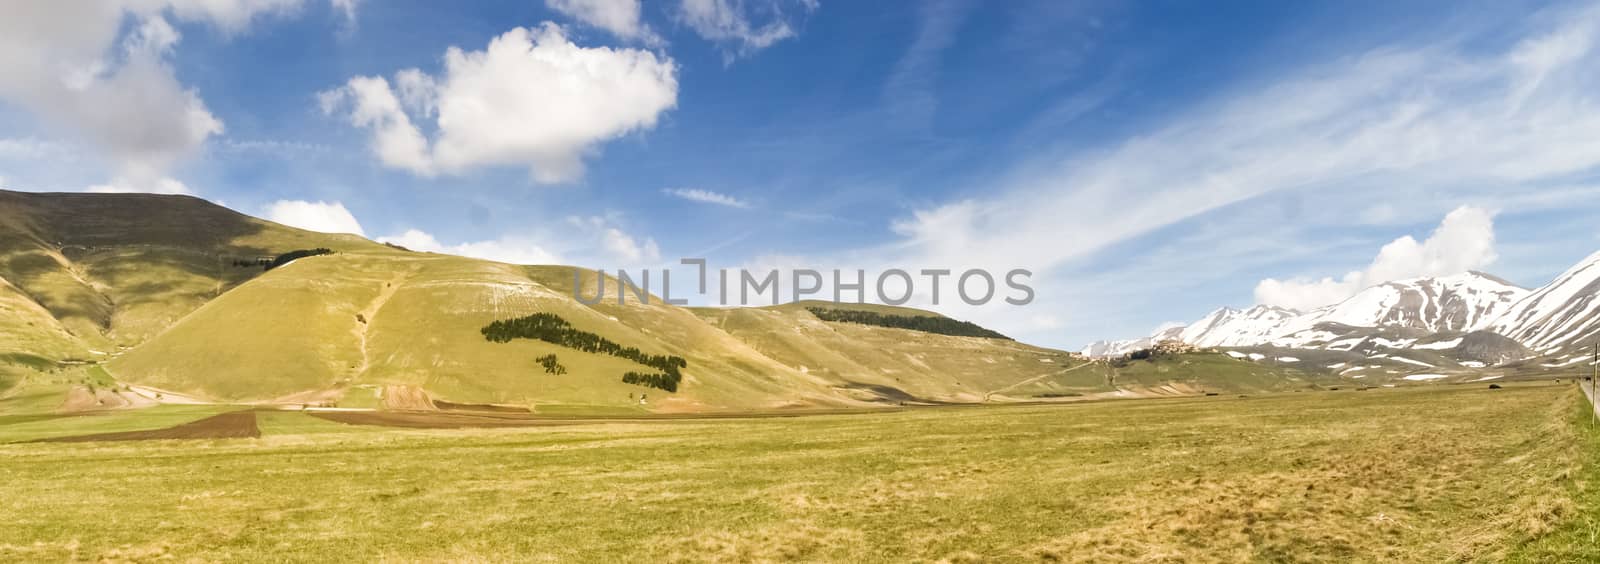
{"x":1422,"y":474}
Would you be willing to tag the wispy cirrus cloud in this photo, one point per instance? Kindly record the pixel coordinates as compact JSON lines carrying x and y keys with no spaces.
{"x":706,"y":197}
{"x":1414,"y":127}
{"x":619,"y":17}
{"x":742,"y":28}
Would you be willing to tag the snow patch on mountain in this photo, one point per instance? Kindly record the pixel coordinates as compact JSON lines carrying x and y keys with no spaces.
{"x":1459,"y":303}
{"x":1103,"y":349}
{"x":1417,"y":377}
{"x":1563,"y":313}
{"x":1228,"y":327}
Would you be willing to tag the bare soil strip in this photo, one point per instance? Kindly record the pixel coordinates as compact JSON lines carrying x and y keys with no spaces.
{"x":231,"y":425}
{"x":461,"y":420}
{"x":479,"y":407}
{"x":436,"y":420}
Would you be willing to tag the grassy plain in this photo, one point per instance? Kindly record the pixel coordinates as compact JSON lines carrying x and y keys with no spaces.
{"x":1419,"y":474}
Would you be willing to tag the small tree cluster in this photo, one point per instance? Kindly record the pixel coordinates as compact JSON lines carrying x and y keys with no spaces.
{"x":551,"y":365}
{"x":668,"y":382}
{"x":923,"y":323}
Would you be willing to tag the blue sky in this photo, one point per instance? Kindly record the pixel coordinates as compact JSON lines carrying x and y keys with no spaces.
{"x":1148,"y":161}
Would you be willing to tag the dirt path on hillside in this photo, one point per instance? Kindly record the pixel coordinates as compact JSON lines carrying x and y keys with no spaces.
{"x":370,"y":315}
{"x":1035,"y":379}
{"x":85,"y":398}
{"x":231,"y":425}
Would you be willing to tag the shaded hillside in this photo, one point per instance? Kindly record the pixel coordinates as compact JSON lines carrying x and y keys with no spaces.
{"x":27,"y":327}
{"x":115,"y":269}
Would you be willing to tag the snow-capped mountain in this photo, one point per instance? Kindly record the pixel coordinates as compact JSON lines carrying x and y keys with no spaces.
{"x":1228,"y":327}
{"x":1102,"y":349}
{"x":1460,"y":303}
{"x":1471,"y":319}
{"x":1562,"y":316}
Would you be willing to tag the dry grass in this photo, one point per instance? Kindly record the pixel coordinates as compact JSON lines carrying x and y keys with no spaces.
{"x":1432,"y":474}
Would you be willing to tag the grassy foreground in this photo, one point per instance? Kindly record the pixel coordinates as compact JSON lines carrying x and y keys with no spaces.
{"x":1424,"y":474}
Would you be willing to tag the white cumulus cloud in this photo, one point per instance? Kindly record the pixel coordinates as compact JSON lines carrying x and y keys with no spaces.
{"x":507,"y":249}
{"x":161,"y":185}
{"x":595,"y":241}
{"x":629,"y":250}
{"x":532,"y":98}
{"x":373,"y":105}
{"x":324,"y":217}
{"x":101,"y":71}
{"x":617,"y":246}
{"x":1463,"y":241}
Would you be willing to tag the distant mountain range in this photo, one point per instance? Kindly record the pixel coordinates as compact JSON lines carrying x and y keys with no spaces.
{"x":1472,"y":318}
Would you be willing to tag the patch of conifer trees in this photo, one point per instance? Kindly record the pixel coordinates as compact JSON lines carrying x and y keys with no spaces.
{"x":668,"y":382}
{"x":286,"y":258}
{"x":551,"y":328}
{"x":923,"y":323}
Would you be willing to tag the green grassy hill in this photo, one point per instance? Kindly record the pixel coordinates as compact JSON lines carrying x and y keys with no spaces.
{"x":1211,"y":372}
{"x":345,"y":323}
{"x":899,"y":364}
{"x":150,"y":287}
